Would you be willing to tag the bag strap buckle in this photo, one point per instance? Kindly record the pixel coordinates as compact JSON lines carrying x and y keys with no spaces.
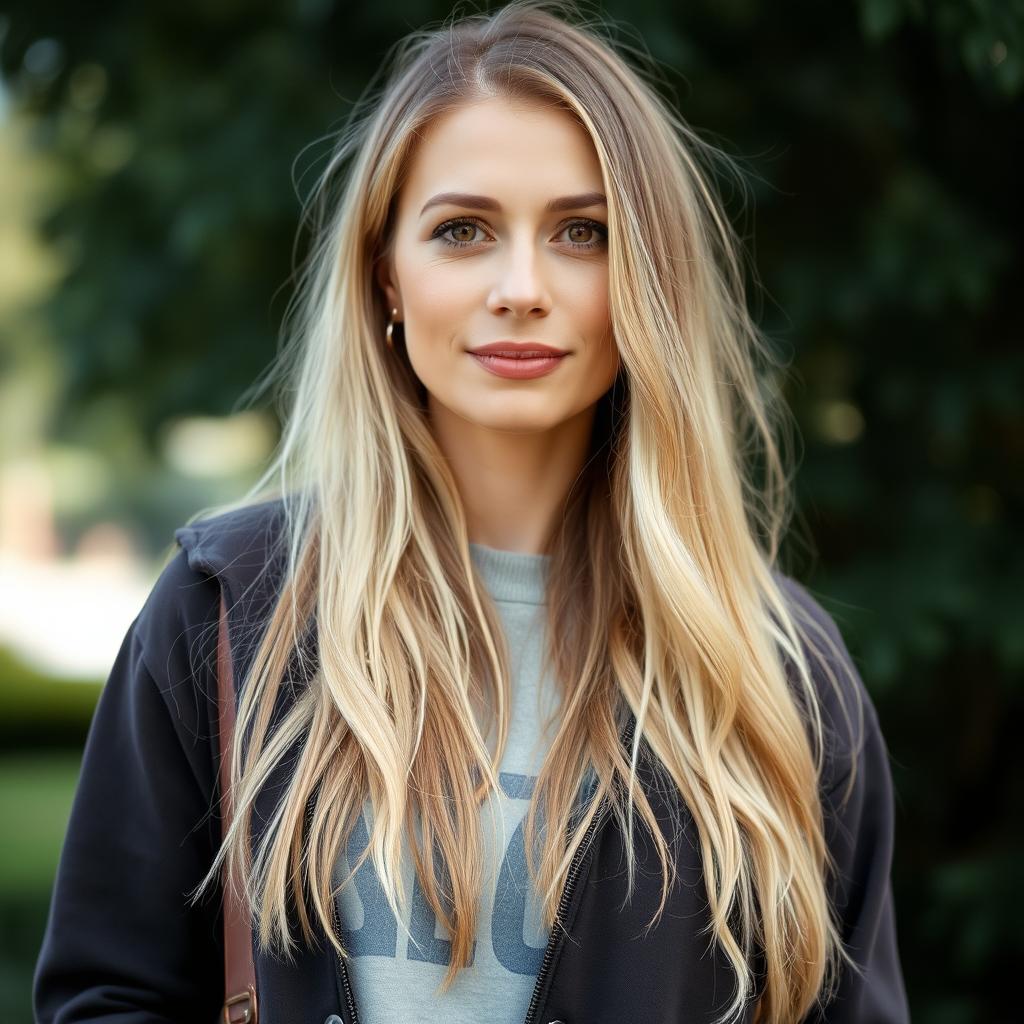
{"x":248,"y":1012}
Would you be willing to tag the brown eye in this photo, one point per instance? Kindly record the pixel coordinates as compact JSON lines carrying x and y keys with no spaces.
{"x":446,"y":233}
{"x":585,"y":234}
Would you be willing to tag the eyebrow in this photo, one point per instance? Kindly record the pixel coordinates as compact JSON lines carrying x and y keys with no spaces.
{"x":473,"y":202}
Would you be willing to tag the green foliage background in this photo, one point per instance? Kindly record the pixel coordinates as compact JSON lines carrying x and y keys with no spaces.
{"x":884,"y":223}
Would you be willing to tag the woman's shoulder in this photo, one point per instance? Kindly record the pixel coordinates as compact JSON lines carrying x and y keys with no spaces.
{"x":848,"y":713}
{"x":233,"y":553}
{"x":236,"y":544}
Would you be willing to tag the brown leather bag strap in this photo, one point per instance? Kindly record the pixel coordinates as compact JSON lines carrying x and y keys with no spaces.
{"x":239,"y":972}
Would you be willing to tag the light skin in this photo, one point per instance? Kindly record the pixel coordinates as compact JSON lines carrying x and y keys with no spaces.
{"x":525,"y":273}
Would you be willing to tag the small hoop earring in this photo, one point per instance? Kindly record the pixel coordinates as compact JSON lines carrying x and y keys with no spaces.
{"x":388,"y":334}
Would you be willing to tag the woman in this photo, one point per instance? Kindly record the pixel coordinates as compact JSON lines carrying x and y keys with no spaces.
{"x":534,"y":726}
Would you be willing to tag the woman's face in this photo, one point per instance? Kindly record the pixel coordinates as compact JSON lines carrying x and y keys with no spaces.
{"x":501,"y":236}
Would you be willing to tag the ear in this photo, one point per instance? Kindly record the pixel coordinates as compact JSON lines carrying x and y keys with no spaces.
{"x":384,"y":276}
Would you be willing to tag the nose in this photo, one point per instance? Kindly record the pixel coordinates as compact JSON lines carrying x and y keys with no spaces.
{"x":520,"y":287}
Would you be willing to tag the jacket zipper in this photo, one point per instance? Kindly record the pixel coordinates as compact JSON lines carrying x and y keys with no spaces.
{"x":353,"y":1017}
{"x":557,"y":936}
{"x":555,"y":939}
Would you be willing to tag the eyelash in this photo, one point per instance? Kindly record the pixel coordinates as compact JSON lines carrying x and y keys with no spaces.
{"x":439,"y":231}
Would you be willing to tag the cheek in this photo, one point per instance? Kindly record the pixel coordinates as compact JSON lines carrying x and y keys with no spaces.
{"x":439,"y":301}
{"x":587,"y":296}
{"x":592,"y":313}
{"x":435,"y":297}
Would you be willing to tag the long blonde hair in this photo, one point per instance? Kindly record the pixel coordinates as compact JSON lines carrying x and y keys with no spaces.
{"x":663,"y":579}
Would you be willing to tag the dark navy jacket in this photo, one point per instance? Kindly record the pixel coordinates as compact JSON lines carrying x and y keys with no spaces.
{"x":122,"y":945}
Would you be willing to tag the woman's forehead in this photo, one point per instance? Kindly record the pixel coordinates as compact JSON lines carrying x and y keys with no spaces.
{"x":512,"y":153}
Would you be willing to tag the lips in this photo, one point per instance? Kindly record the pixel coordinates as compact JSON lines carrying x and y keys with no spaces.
{"x":518,"y":350}
{"x":532,"y":353}
{"x":522,"y":363}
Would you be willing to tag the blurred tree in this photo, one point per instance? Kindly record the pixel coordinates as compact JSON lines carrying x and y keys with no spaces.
{"x":879,"y":137}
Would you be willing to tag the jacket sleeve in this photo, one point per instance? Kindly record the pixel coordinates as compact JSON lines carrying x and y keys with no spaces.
{"x":122,"y":943}
{"x":859,"y":830}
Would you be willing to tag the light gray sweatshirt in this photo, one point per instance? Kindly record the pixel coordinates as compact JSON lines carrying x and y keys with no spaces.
{"x":395,"y":971}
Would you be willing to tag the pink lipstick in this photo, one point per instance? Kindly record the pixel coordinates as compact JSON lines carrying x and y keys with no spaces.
{"x":518,"y":360}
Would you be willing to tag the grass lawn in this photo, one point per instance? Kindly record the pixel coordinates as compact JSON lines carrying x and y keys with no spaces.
{"x":36,"y":790}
